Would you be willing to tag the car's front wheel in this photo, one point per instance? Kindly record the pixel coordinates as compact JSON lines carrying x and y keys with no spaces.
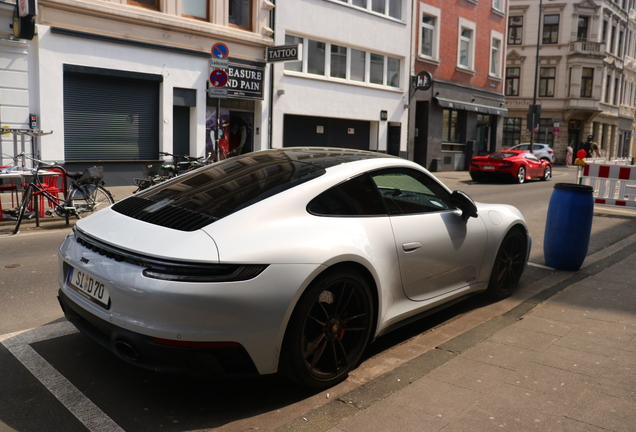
{"x":509,"y":265}
{"x":521,"y":175}
{"x":547,"y":173}
{"x":328,"y":330}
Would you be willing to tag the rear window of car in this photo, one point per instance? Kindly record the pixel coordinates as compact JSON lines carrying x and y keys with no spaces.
{"x":502,"y":155}
{"x":194,"y":200}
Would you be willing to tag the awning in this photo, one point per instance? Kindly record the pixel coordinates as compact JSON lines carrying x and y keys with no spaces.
{"x":485,"y":109}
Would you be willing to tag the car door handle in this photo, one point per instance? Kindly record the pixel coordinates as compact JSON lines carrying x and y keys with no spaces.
{"x":408,"y":247}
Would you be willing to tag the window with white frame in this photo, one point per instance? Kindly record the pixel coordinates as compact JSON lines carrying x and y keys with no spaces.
{"x":498,"y":5}
{"x":466,"y":44}
{"x":429,"y":31}
{"x":339,"y":62}
{"x":390,"y":8}
{"x":495,"y":53}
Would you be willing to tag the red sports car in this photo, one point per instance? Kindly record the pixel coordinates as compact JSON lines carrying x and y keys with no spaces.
{"x":510,"y":164}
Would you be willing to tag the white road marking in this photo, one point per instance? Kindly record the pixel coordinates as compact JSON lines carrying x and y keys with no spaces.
{"x":539,"y":266}
{"x":74,"y":400}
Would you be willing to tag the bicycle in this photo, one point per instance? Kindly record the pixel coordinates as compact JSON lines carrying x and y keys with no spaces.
{"x":180,"y":165}
{"x":84,"y":195}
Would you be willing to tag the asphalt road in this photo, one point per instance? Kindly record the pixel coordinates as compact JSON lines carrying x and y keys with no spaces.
{"x":52,"y":378}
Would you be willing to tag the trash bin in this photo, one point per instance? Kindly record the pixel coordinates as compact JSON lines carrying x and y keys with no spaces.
{"x":568,"y":226}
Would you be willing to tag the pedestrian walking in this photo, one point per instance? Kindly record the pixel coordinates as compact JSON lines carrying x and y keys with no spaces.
{"x":594,"y":150}
{"x":569,"y":155}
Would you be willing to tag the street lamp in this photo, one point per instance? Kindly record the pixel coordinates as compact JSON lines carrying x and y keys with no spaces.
{"x":534,"y":113}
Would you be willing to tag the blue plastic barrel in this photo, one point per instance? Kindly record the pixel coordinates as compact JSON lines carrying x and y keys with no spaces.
{"x":568,"y":226}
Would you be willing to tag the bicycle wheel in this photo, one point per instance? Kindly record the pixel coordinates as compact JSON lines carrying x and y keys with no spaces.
{"x":88,"y":199}
{"x":24,"y":204}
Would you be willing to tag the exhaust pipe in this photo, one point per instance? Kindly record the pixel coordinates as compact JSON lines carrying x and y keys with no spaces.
{"x":126,"y":350}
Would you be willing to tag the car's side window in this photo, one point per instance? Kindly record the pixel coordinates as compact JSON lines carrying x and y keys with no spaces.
{"x":531,"y":157}
{"x":408,"y":191}
{"x":355,"y":197}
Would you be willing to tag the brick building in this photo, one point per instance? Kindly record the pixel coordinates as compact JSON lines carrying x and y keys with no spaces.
{"x":462,"y":45}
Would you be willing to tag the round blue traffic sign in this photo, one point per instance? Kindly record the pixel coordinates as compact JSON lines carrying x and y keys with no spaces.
{"x":218,"y":78}
{"x":220,"y":51}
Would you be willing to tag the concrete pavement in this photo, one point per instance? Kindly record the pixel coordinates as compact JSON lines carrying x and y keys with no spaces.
{"x":562,"y":358}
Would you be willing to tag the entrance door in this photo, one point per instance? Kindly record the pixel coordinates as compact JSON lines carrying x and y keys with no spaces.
{"x":181,"y":130}
{"x":393,"y":144}
{"x":483,"y":133}
{"x":421,"y":133}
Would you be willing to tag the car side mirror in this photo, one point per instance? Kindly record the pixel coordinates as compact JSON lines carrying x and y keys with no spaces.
{"x":465,"y":203}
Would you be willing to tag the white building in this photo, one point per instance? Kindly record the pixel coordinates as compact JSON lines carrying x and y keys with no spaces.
{"x":351,"y":88}
{"x":119,"y":81}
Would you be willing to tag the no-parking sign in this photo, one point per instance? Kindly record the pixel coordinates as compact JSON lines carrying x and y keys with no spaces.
{"x":218,"y":78}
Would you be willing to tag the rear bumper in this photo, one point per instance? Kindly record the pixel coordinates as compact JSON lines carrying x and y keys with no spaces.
{"x":145,"y":352}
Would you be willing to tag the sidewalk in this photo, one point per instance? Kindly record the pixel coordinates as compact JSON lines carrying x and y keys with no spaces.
{"x":563,"y":359}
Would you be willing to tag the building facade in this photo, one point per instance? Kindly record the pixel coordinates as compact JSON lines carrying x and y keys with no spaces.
{"x":119,"y":81}
{"x":351,"y":87}
{"x":462,"y":46}
{"x":585,"y":79}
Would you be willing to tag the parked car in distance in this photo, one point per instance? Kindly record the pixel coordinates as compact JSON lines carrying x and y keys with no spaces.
{"x":542,"y":151}
{"x":514,"y":165}
{"x":287,"y":260}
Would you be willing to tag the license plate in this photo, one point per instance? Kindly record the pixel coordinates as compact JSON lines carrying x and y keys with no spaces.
{"x":89,"y":287}
{"x":488,"y":167}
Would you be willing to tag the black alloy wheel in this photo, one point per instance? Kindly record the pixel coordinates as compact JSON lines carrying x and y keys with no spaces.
{"x":547,"y":173}
{"x":509,"y":265}
{"x":521,"y":175}
{"x":329,"y":330}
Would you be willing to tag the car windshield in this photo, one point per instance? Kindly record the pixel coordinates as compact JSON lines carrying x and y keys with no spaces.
{"x":502,"y":155}
{"x":194,"y":200}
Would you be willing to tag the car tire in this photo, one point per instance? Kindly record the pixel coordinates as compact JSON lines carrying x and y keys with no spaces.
{"x":521,"y":175}
{"x":508,"y":266}
{"x":547,"y":173}
{"x":475,"y":176}
{"x":329,"y":330}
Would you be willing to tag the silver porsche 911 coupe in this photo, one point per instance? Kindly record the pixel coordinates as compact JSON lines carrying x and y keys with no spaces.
{"x":288,"y":260}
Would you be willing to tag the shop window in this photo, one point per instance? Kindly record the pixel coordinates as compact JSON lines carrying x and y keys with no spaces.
{"x":197,"y":9}
{"x":512,"y":81}
{"x":551,"y":29}
{"x":546,"y":81}
{"x":150,"y":4}
{"x":240,"y":14}
{"x":451,"y":127}
{"x":515,"y":30}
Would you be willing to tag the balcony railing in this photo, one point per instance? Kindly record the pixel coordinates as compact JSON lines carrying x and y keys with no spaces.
{"x":586,"y":47}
